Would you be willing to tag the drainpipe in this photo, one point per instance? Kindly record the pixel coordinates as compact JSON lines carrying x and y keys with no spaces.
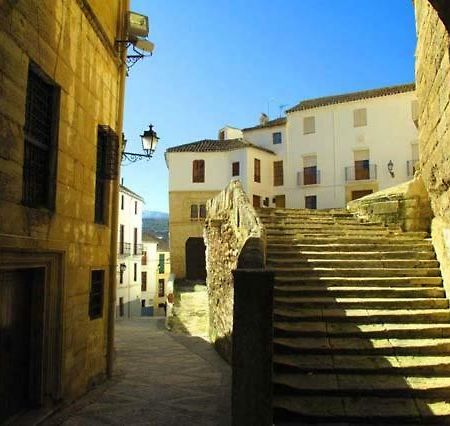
{"x":121,"y":31}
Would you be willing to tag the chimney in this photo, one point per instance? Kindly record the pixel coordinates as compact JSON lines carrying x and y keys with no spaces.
{"x":263,"y":119}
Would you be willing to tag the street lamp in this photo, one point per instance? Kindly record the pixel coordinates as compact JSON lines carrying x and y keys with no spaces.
{"x":149,"y":141}
{"x":390,"y":167}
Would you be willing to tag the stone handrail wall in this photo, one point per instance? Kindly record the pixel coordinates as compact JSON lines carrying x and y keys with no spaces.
{"x":234,"y":238}
{"x":406,"y":205}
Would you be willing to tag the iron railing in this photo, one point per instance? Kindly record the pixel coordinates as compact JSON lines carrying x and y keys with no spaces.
{"x":124,"y":249}
{"x":411,"y":167}
{"x":137,"y":249}
{"x":368,"y":172}
{"x":307,"y":177}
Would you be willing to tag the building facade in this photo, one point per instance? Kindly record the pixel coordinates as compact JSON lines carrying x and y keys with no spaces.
{"x":149,"y":271}
{"x":61,"y":103}
{"x":197,"y":172}
{"x":129,"y":254}
{"x":338,"y":148}
{"x":324,"y":153}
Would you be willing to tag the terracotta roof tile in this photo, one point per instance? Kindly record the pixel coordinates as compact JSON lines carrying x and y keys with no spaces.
{"x":272,"y":123}
{"x":212,"y":145}
{"x":348,"y":97}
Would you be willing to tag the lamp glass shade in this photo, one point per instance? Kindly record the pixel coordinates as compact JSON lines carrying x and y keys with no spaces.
{"x":149,"y":140}
{"x":390,"y":166}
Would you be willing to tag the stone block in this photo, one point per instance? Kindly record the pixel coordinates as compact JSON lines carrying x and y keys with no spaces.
{"x":385,"y":207}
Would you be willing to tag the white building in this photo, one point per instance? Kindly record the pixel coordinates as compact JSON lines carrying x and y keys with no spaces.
{"x":324,"y":153}
{"x":338,"y":148}
{"x":155,"y":274}
{"x":128,"y":298}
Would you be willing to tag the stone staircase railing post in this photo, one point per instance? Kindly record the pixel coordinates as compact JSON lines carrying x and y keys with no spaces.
{"x":252,"y":347}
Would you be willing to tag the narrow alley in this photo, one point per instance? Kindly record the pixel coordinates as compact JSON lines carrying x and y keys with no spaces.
{"x":161,"y":378}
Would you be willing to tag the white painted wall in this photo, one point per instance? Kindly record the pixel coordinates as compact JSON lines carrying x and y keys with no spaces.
{"x":151,"y":269}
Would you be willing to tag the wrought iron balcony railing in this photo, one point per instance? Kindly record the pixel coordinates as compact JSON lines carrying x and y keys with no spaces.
{"x":307,"y":177}
{"x":124,"y":249}
{"x":137,"y":249}
{"x":411,"y":167}
{"x":368,"y":172}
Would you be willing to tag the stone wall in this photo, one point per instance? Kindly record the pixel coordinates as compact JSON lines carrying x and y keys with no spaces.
{"x":72,"y":42}
{"x":233,"y":234}
{"x":433,"y":91}
{"x":406,"y":205}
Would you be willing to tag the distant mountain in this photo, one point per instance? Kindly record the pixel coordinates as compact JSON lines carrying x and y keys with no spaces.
{"x":156,"y":222}
{"x":148,"y":214}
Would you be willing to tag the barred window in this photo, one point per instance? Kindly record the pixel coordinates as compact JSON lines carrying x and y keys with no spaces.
{"x":107,"y":169}
{"x":194,"y":211}
{"x":143,"y":281}
{"x":202,"y":211}
{"x":161,"y":287}
{"x":198,"y":171}
{"x":278,"y":173}
{"x":96,"y":294}
{"x":276,"y":138}
{"x":161,"y":263}
{"x":41,"y":120}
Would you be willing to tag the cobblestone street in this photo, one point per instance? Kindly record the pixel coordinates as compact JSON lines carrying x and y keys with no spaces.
{"x":160,"y":379}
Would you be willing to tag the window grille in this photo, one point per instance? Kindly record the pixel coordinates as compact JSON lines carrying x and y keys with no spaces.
{"x":161,"y":288}
{"x":39,"y":145}
{"x":96,"y":294}
{"x":276,"y":138}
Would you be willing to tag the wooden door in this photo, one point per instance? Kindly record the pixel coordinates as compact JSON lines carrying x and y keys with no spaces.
{"x":195,"y":259}
{"x":15,"y":342}
{"x":280,"y":201}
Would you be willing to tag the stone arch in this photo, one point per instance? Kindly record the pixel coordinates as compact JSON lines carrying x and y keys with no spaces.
{"x":195,"y":251}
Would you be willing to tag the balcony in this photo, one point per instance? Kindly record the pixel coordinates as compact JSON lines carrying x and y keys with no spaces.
{"x":137,"y":249}
{"x":309,"y":176}
{"x":411,"y":167}
{"x":364,"y":172}
{"x":124,"y":249}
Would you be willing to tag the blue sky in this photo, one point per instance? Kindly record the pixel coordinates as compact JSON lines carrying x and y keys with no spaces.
{"x":226,"y":61}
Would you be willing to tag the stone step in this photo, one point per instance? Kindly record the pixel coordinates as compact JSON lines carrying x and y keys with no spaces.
{"x":328,"y":226}
{"x":362,"y":385}
{"x":299,"y":212}
{"x":355,"y":272}
{"x":354,"y":255}
{"x":362,"y":410}
{"x":423,"y":245}
{"x":363,"y":316}
{"x":359,"y":281}
{"x":387,"y":330}
{"x":353,"y":263}
{"x":344,"y":240}
{"x":361,"y":303}
{"x":362,"y":346}
{"x":415,"y":365}
{"x":358,"y":292}
{"x":338,"y":233}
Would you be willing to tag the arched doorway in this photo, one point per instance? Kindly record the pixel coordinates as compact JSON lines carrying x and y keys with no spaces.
{"x":195,"y":259}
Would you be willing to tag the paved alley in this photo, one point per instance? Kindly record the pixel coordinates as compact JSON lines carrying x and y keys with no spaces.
{"x":160,"y":379}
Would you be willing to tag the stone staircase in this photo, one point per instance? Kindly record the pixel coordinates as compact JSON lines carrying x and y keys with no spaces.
{"x":361,"y":322}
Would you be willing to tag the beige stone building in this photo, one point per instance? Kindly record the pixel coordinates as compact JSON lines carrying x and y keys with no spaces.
{"x":61,"y":104}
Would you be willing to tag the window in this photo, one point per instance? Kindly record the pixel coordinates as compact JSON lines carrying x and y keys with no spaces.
{"x":198,"y":171}
{"x":96,"y":294}
{"x":276,"y":138}
{"x":161,"y":288}
{"x":198,"y":211}
{"x":310,"y":175}
{"x":161,"y":263}
{"x":311,"y":202}
{"x":121,"y":239}
{"x":280,"y":201}
{"x":144,"y":258}
{"x":362,"y":167}
{"x":143,"y":303}
{"x":135,"y":272}
{"x":194,"y":211}
{"x":277,"y":173}
{"x":143,"y":281}
{"x":135,"y":207}
{"x":41,"y":119}
{"x":235,"y":169}
{"x":135,"y":241}
{"x":107,"y":168}
{"x":120,"y":275}
{"x":122,"y":202}
{"x":360,"y":117}
{"x":257,"y":170}
{"x":309,"y":125}
{"x":256,"y":201}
